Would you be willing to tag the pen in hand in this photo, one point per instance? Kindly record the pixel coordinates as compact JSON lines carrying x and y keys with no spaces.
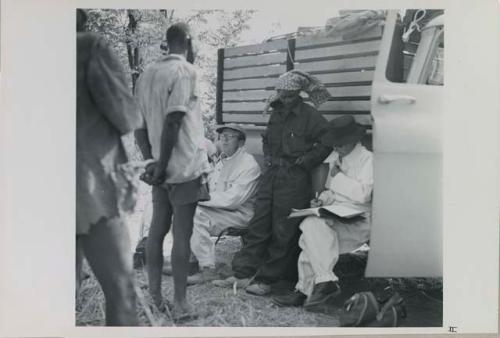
{"x":316,"y":202}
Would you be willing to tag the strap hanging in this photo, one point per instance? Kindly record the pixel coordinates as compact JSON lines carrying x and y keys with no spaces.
{"x":414,"y":25}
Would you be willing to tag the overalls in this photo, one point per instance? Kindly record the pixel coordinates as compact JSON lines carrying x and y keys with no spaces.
{"x":270,"y":247}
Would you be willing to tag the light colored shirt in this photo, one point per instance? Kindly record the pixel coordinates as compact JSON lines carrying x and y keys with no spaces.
{"x":233,"y":183}
{"x":353,"y":185}
{"x":167,"y":86}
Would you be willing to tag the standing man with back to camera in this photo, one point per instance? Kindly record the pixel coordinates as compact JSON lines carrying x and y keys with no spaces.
{"x":174,"y":137}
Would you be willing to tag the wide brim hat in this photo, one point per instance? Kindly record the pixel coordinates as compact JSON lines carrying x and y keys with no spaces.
{"x":232,"y":126}
{"x":343,"y":130}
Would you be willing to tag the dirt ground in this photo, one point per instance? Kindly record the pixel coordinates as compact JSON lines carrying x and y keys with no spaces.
{"x":236,"y":308}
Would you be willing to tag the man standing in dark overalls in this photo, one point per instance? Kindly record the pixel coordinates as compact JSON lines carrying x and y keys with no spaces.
{"x":291,"y":150}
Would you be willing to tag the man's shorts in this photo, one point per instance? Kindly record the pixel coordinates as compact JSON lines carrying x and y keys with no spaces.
{"x":179,"y":193}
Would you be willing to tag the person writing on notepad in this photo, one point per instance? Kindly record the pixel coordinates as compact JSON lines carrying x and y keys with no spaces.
{"x":349,"y":182}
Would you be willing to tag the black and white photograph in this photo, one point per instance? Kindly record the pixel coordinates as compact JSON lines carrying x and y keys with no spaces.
{"x":239,"y":168}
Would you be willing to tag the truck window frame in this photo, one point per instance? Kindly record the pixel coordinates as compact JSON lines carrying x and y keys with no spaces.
{"x":421,"y":66}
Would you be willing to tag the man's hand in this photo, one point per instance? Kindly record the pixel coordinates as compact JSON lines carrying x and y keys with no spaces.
{"x":268,"y":161}
{"x":299,"y":160}
{"x":152,"y":174}
{"x":316,"y":203}
{"x":159,"y":176}
{"x":327,"y":197}
{"x":335,"y":170}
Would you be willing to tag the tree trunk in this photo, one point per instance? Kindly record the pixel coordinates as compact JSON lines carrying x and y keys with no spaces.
{"x":133,"y":51}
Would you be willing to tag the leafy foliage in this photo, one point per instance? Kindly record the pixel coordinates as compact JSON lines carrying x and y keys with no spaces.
{"x":136,"y":36}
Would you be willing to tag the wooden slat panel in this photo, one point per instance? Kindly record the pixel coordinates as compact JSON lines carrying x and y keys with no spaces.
{"x":254,"y":71}
{"x":246,"y":118}
{"x":346,"y":77}
{"x":307,"y":41}
{"x":263,"y":119}
{"x":350,"y":91}
{"x":344,"y":106}
{"x":243,"y":106}
{"x":339,"y":64}
{"x":255,"y":60}
{"x":219,"y":85}
{"x":354,"y":48}
{"x":243,"y":95}
{"x":327,"y":106}
{"x":257,"y":48}
{"x":250,"y":83}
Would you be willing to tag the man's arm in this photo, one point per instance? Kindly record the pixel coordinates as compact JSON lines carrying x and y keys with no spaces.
{"x":169,"y":136}
{"x":108,"y":87}
{"x":242,"y":189}
{"x":266,"y":149}
{"x":358,"y":190}
{"x":319,"y":152}
{"x":142,"y":140}
{"x":176,"y":107}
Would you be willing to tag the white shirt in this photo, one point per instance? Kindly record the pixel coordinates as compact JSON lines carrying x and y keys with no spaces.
{"x":167,"y":86}
{"x":353,"y":185}
{"x":233,"y":183}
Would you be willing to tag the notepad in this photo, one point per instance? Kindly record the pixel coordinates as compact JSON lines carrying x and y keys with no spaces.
{"x":335,"y":209}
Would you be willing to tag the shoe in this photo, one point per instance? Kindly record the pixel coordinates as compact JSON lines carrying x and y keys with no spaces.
{"x":205,"y":275}
{"x":292,"y":298}
{"x":258,"y":289}
{"x":193,"y":268}
{"x":322,"y":294}
{"x":230,"y":281}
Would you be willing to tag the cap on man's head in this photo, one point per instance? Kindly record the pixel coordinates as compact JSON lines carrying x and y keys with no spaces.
{"x":343,"y":130}
{"x":178,"y":33}
{"x":232,"y":126}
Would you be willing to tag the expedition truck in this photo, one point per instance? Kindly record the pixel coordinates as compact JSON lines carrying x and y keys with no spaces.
{"x":390,"y":83}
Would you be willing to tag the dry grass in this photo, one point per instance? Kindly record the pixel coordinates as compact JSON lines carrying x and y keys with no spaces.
{"x":217,"y":306}
{"x":220,"y":306}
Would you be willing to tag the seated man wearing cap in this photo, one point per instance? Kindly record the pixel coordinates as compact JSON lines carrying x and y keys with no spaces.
{"x":232,"y":186}
{"x":350,"y":182}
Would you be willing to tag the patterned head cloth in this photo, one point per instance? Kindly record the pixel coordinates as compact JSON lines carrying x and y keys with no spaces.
{"x":298,"y":80}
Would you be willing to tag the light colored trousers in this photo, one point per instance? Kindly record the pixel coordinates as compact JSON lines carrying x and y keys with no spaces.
{"x":322,"y":241}
{"x":210,"y":222}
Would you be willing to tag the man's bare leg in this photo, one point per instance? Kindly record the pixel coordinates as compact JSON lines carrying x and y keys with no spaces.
{"x":160,"y":225}
{"x":181,"y":251}
{"x":107,"y":249}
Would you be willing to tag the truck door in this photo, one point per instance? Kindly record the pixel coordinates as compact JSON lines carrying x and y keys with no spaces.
{"x":406,"y":238}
